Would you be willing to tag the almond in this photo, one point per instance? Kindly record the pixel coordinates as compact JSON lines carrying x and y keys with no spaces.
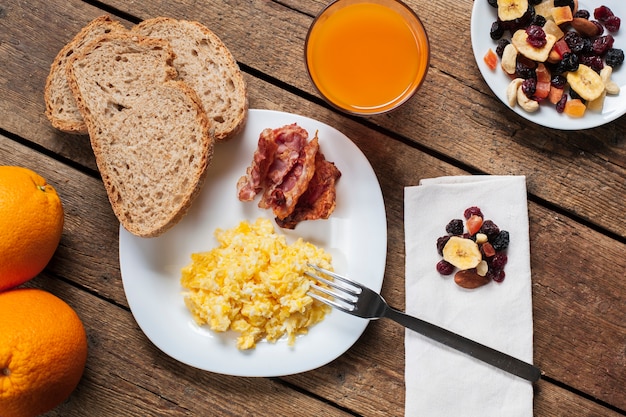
{"x":469,"y":279}
{"x":586,"y":27}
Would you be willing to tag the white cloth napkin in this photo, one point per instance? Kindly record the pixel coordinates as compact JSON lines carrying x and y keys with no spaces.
{"x":439,"y":380}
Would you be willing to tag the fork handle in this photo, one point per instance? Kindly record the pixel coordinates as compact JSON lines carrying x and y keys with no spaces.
{"x":479,"y":351}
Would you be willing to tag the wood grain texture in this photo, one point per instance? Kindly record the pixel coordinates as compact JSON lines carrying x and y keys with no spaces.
{"x":576,"y":183}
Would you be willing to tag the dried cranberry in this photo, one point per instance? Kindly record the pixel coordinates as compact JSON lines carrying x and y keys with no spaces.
{"x":529,"y":86}
{"x":490,"y":229}
{"x":495,"y":274}
{"x":455,"y":227}
{"x":602,"y":44}
{"x":441,"y":242}
{"x":560,"y":106}
{"x":593,"y":61}
{"x":582,"y":13}
{"x":536,"y":36}
{"x":602,"y":13}
{"x":471,"y":211}
{"x":498,"y":261}
{"x":445,"y":267}
{"x":612,"y":23}
{"x":614,"y":57}
{"x":502,"y":43}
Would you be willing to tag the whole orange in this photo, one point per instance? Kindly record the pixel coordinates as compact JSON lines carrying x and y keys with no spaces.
{"x":43,"y":350}
{"x":31,"y":224}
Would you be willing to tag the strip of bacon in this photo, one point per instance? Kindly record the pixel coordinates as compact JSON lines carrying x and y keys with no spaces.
{"x":250,"y":184}
{"x":319,"y":200}
{"x":285,"y":196}
{"x":291,"y":141}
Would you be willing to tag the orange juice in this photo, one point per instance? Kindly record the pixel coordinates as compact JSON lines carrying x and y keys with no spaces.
{"x":367,"y":57}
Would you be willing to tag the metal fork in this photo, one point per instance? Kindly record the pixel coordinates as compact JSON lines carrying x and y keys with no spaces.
{"x":358,"y":300}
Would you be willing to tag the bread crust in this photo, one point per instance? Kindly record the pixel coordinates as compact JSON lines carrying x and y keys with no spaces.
{"x":131,"y":129}
{"x":61,"y":107}
{"x":206,"y":65}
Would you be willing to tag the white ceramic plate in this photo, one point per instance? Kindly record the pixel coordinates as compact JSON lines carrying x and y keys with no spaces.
{"x":355,"y":235}
{"x":483,"y":15}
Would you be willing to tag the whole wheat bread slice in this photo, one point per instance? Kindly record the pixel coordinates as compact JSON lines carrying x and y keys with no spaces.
{"x":206,"y":65}
{"x":148,"y":131}
{"x":61,"y":108}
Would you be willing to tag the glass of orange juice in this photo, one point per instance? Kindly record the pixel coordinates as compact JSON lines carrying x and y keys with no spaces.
{"x":367,"y":57}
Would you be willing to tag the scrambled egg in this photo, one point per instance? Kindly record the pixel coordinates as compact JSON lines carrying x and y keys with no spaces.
{"x":254,"y":283}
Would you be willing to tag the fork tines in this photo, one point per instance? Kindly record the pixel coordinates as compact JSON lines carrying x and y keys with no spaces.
{"x":345,"y":293}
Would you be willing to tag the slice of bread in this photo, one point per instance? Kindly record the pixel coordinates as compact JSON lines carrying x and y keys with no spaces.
{"x":148,"y":131}
{"x":207,"y":66}
{"x":61,"y":108}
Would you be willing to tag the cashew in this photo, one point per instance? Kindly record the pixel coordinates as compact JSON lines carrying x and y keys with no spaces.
{"x":526,"y":103}
{"x":597,"y":104}
{"x":610,"y":86}
{"x":509,"y":59}
{"x":511,"y":91}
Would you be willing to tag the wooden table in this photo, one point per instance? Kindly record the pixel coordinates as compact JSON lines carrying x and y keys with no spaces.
{"x":454,"y":126}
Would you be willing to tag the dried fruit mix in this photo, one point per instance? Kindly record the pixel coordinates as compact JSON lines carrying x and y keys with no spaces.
{"x":553,"y":38}
{"x":474,"y":248}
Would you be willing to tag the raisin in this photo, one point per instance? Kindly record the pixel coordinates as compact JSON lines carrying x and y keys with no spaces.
{"x":560,"y":106}
{"x":568,"y":63}
{"x":558,"y":81}
{"x":445,"y":267}
{"x":587,"y":47}
{"x":525,"y":68}
{"x":470,"y":211}
{"x":523,"y":21}
{"x":490,"y":229}
{"x":561,"y":3}
{"x":501,"y":242}
{"x":614,"y":57}
{"x":497,"y":30}
{"x":536,"y":36}
{"x":441,"y":242}
{"x":583,"y":14}
{"x":502,"y":43}
{"x":602,"y":44}
{"x":574,"y":41}
{"x":612,"y":24}
{"x":538,"y":20}
{"x":493,"y":3}
{"x":455,"y":227}
{"x":573,"y":94}
{"x":534,"y":2}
